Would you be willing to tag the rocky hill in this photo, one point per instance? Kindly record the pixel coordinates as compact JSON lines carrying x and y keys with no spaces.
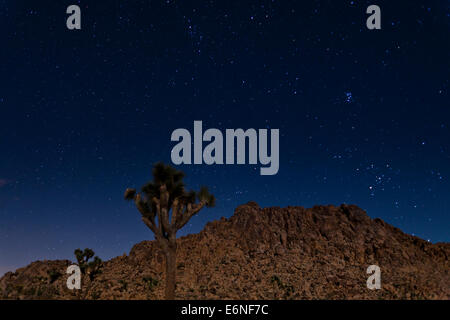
{"x":263,"y":253}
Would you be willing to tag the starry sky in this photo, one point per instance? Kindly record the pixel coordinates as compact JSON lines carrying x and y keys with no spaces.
{"x":363,"y":114}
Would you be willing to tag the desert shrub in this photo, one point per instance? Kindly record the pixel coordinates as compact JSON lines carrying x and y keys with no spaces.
{"x":19,"y":288}
{"x":124,"y":285}
{"x":95,"y":295}
{"x":150,"y":282}
{"x":288,"y":289}
{"x":53,"y":275}
{"x":30,"y":291}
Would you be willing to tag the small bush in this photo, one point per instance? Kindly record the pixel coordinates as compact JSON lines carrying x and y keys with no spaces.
{"x":150,"y":283}
{"x":288,"y":289}
{"x":124,"y":285}
{"x":95,"y":295}
{"x":53,"y":275}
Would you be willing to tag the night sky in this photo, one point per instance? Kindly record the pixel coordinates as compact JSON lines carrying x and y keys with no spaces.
{"x":363,"y":114}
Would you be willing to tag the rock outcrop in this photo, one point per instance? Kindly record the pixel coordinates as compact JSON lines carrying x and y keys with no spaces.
{"x":263,"y":253}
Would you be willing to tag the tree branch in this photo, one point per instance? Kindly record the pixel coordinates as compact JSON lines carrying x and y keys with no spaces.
{"x":158,"y":212}
{"x":189,"y":213}
{"x":139,"y":205}
{"x":176,"y":210}
{"x":165,"y":219}
{"x":151,"y":226}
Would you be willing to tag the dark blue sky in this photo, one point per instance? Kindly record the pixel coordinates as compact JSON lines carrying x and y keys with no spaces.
{"x":363,"y":115}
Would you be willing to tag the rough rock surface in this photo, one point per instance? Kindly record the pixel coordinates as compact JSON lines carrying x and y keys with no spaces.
{"x":263,"y":253}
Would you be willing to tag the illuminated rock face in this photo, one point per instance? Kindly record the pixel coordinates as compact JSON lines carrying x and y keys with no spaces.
{"x":266,"y":253}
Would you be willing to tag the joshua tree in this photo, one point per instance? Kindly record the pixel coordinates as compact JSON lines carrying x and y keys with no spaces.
{"x":166,"y":207}
{"x":90,"y":268}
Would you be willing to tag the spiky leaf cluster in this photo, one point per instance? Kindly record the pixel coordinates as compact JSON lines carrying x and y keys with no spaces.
{"x":171,"y":180}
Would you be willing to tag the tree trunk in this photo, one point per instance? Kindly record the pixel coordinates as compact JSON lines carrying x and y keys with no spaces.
{"x":171,"y":272}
